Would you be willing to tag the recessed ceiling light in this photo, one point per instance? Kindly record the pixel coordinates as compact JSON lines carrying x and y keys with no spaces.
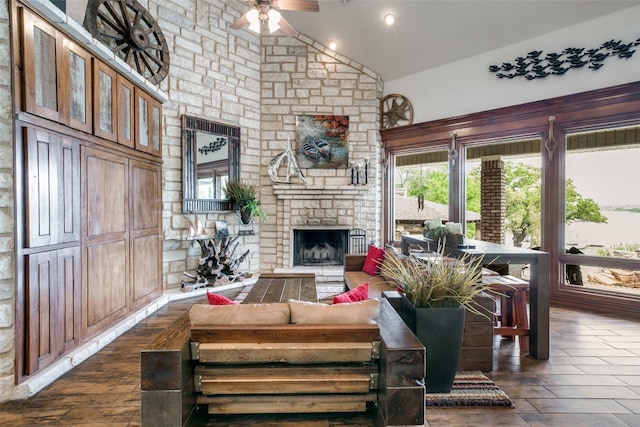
{"x":333,"y":46}
{"x":389,"y":19}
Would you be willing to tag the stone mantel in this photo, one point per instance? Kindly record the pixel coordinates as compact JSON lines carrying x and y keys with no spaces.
{"x":302,"y":191}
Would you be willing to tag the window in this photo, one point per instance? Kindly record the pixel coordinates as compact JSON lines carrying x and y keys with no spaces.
{"x":602,"y":209}
{"x":421,"y":190}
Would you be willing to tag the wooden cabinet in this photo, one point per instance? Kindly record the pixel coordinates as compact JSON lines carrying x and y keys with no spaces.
{"x":64,"y":83}
{"x":105,"y":269}
{"x":57,"y":75}
{"x":122,"y":248}
{"x":52,"y":183}
{"x":146,"y":227}
{"x":53,"y":299}
{"x":41,"y":47}
{"x":88,"y":144}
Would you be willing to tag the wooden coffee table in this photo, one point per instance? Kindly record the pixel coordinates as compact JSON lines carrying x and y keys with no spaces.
{"x":281,"y":287}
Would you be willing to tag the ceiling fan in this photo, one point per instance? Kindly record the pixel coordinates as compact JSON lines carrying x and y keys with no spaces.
{"x":268,"y":12}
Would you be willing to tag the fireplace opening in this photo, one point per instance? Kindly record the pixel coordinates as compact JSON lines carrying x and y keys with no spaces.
{"x":319,"y":247}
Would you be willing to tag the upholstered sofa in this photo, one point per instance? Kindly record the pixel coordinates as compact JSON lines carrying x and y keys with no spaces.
{"x":354,"y":277}
{"x":291,"y":357}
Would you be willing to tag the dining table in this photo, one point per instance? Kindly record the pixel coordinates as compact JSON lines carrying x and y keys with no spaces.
{"x":499,"y":254}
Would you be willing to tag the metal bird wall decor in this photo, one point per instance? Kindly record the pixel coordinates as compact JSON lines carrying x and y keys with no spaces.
{"x":537,"y":66}
{"x":213,"y":146}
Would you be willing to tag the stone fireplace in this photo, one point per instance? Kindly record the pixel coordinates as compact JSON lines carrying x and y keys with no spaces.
{"x":319,"y":246}
{"x":313,"y":222}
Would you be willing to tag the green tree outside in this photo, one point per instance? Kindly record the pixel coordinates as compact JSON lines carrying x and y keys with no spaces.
{"x":523,"y":201}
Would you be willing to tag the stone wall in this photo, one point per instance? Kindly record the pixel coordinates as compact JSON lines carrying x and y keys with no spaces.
{"x":214,"y":75}
{"x":303,"y":77}
{"x":7,"y":197}
{"x":230,"y":76}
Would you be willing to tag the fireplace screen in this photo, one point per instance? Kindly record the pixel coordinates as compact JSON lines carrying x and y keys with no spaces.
{"x":319,"y":247}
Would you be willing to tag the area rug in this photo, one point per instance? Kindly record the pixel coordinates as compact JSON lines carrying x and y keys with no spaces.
{"x":471,"y":388}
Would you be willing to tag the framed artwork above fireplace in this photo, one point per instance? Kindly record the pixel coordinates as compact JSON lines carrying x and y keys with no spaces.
{"x":322,"y":141}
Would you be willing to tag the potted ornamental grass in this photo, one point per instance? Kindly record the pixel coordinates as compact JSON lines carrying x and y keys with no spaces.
{"x":243,"y":196}
{"x":436,"y":292}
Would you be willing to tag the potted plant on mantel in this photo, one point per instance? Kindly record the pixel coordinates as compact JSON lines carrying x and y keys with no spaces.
{"x":435,"y":293}
{"x":243,"y":196}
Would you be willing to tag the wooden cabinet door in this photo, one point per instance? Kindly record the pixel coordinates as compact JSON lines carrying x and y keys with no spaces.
{"x":126,"y":97}
{"x":155,"y":146}
{"x":146,"y":228}
{"x":53,"y":311}
{"x":75,"y":75}
{"x":104,"y":95}
{"x":105,"y":246}
{"x":52,"y":189}
{"x":142,"y":122}
{"x":148,"y":123}
{"x":41,"y":50}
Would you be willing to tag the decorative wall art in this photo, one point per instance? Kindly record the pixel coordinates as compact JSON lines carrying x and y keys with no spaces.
{"x":537,"y":66}
{"x":322,"y":141}
{"x":395,"y":110}
{"x":131,"y":33}
{"x":222,"y":229}
{"x":208,"y":149}
{"x":288,"y":160}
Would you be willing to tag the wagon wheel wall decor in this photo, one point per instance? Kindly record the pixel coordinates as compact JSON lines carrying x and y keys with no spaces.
{"x":126,"y":28}
{"x":395,"y":110}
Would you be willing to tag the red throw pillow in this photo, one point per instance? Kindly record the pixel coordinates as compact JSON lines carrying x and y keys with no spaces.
{"x":361,"y":293}
{"x":374,"y":259}
{"x":215,"y":299}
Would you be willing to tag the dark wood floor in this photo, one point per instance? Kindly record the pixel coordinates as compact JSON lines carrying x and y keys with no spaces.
{"x":591,"y":379}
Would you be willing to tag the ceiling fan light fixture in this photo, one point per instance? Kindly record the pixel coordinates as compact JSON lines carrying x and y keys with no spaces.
{"x":274,"y":20}
{"x":389,"y":19}
{"x":253,"y":16}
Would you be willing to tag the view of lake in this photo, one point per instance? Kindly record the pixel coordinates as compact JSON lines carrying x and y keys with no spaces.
{"x":621,"y":227}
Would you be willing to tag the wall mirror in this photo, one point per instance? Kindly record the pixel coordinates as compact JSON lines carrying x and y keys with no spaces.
{"x":211,"y":157}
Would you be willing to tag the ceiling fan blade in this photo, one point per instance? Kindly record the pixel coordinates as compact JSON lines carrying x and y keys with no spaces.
{"x":300,"y":5}
{"x":240,"y":22}
{"x":287,"y":29}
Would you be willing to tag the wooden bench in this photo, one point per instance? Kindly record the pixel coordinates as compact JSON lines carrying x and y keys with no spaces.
{"x":382,"y":364}
{"x":286,"y":368}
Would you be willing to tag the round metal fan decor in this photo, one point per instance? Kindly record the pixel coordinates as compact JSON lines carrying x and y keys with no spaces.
{"x":131,"y":33}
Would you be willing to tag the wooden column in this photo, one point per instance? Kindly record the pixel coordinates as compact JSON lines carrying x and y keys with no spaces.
{"x":166,"y":377}
{"x":401,"y":394}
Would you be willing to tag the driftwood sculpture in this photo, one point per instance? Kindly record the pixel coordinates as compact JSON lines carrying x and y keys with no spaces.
{"x":218,"y":265}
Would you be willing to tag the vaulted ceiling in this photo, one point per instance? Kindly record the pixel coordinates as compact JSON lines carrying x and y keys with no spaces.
{"x":431,"y":33}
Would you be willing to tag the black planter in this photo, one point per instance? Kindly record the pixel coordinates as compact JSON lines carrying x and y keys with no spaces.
{"x":245,"y":217}
{"x":440,"y":330}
